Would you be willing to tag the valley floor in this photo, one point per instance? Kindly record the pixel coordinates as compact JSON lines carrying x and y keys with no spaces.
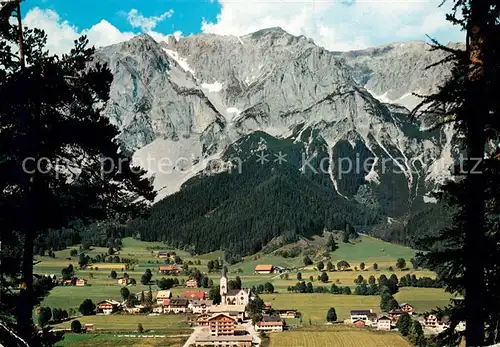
{"x":174,"y":330}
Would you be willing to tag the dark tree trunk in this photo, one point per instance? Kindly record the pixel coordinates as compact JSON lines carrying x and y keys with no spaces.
{"x":477,"y":114}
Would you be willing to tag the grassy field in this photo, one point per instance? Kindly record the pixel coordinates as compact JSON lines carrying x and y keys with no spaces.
{"x":363,"y":249}
{"x":338,"y":336}
{"x":109,"y":340}
{"x":123,"y":322}
{"x":423,"y":299}
{"x":315,"y":306}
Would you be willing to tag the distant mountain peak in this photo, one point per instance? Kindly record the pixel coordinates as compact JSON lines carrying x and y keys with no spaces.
{"x":273,"y":30}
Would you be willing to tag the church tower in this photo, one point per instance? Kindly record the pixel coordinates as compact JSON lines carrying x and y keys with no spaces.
{"x":223,"y":287}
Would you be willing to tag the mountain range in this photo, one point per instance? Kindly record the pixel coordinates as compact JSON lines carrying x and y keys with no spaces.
{"x":269,"y":134}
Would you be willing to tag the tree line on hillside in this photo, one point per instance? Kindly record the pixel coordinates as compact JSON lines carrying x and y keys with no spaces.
{"x":208,"y":215}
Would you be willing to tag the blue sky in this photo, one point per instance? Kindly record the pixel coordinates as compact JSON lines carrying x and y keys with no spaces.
{"x":85,"y":13}
{"x":333,"y":24}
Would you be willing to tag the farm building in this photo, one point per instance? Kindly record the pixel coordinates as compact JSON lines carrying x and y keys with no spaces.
{"x":88,"y":326}
{"x":269,"y":326}
{"x":363,"y":315}
{"x":163,"y":295}
{"x":288,"y":314}
{"x":278,"y":269}
{"x":384,"y":323}
{"x":263,"y":269}
{"x":123,"y":281}
{"x":163,"y":254}
{"x":81,"y":282}
{"x":195,"y":294}
{"x":192,"y":283}
{"x":168,"y":269}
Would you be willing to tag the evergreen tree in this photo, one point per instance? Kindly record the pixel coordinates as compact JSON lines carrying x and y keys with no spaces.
{"x":320,"y":266}
{"x":87,"y":307}
{"x":331,"y":315}
{"x":417,"y":333}
{"x":468,"y":103}
{"x":404,"y":324}
{"x":331,"y":244}
{"x":76,"y":326}
{"x":329,"y":266}
{"x":125,"y":293}
{"x":44,"y":316}
{"x":401,"y":263}
{"x":214,"y":294}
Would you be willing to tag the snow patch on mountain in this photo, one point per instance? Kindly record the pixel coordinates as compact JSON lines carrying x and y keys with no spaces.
{"x":172,"y":162}
{"x":440,"y":170}
{"x":179,"y":60}
{"x":212,"y":87}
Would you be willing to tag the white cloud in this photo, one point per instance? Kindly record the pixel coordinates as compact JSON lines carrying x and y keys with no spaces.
{"x":338,"y":25}
{"x":61,"y":34}
{"x":137,"y":20}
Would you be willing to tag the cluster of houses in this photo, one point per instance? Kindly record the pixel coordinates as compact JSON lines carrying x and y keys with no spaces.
{"x":367,"y":318}
{"x":224,"y":322}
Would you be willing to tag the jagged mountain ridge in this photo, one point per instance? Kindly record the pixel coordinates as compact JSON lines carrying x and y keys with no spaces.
{"x":194,"y":97}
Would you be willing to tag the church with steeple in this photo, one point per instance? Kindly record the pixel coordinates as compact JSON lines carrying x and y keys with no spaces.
{"x":232,"y":296}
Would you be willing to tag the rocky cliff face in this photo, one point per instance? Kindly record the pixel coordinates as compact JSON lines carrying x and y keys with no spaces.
{"x":186,"y":102}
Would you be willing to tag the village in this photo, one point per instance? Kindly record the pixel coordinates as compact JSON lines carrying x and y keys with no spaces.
{"x":240,"y":317}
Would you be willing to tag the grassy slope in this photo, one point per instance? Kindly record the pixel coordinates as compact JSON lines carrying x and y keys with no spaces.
{"x":315,"y":306}
{"x":423,"y":299}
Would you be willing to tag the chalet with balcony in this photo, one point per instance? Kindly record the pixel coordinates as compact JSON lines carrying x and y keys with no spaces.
{"x":107,"y":306}
{"x":221,"y":324}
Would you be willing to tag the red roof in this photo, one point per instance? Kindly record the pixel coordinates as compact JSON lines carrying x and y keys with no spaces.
{"x":262,"y":267}
{"x":194,"y":294}
{"x":168,"y":268}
